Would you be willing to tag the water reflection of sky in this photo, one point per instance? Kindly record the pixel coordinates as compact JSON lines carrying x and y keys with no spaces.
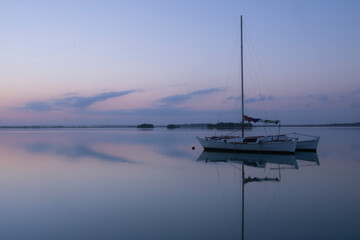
{"x":130,"y":184}
{"x":81,"y":144}
{"x":73,"y":152}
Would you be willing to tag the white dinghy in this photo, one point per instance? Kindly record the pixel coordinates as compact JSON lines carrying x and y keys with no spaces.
{"x":305,"y":142}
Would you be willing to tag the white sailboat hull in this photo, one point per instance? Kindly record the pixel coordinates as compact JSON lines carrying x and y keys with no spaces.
{"x":287,"y":147}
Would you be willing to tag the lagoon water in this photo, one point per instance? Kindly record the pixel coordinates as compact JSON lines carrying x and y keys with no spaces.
{"x":150,"y":184}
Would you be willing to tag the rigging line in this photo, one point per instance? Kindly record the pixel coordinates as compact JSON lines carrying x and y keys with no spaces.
{"x":236,"y":130}
{"x":265,"y":130}
{"x":255,"y":62}
{"x":252,"y":70}
{"x":227,"y":79}
{"x":279,"y":171}
{"x":237,"y":185}
{"x":268,"y":210}
{"x":308,"y":165}
{"x":261,"y":200}
{"x":287,"y":168}
{"x":233,"y":165}
{"x":295,"y":133}
{"x":260,"y":101}
{"x":262,"y":73}
{"x":223,"y":198}
{"x":235,"y":176}
{"x":257,"y":81}
{"x":253,"y":223}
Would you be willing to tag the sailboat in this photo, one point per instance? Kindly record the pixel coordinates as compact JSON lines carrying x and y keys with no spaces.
{"x":259,"y":144}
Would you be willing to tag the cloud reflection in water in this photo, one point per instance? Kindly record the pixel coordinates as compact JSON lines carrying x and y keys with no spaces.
{"x":74,"y":152}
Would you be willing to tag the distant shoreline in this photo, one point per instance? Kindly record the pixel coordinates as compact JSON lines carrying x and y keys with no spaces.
{"x":184,"y":126}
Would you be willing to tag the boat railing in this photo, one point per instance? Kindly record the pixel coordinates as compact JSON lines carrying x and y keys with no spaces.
{"x":301,"y":134}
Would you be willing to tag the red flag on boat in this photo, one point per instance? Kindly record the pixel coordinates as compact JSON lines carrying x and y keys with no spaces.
{"x":249,"y":119}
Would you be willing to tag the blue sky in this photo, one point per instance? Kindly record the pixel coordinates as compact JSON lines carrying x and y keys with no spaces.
{"x":124,"y":62}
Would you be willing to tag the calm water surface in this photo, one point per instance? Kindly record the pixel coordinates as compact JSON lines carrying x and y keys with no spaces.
{"x":136,"y":184}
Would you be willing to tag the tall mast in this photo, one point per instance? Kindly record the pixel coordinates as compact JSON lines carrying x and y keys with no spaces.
{"x":242,"y":79}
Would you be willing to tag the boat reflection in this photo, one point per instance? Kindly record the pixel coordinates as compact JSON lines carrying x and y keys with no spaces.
{"x":258,"y":161}
{"x":250,"y":159}
{"x":308,"y":156}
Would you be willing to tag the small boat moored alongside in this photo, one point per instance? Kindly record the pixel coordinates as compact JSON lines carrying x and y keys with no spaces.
{"x":305,"y":142}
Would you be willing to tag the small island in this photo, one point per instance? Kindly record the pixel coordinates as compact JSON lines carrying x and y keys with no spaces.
{"x":145,"y":125}
{"x":173,"y":126}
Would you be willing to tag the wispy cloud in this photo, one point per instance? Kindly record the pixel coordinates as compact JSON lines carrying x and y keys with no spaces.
{"x":181,"y":98}
{"x":260,"y":98}
{"x":319,"y":97}
{"x":38,"y":106}
{"x":84,"y":102}
{"x":74,"y":102}
{"x":154,"y":112}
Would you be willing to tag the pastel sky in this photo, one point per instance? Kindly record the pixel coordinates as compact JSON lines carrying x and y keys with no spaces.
{"x":128,"y":62}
